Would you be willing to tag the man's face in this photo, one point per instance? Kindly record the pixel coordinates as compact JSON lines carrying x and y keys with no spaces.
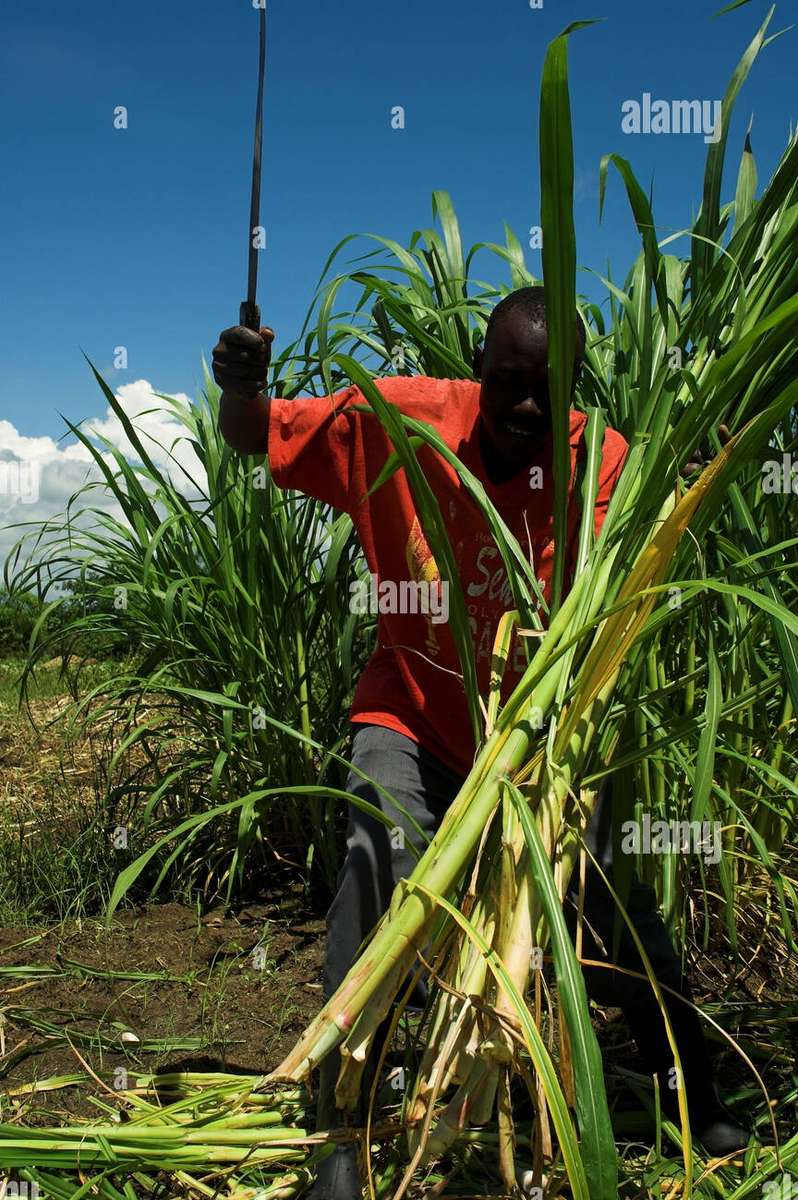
{"x":514,"y":399}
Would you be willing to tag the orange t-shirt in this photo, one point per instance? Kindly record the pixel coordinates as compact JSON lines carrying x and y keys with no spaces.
{"x":412,"y":682}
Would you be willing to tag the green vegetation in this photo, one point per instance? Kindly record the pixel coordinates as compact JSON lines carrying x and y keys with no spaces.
{"x":235,"y":604}
{"x":671,"y":662}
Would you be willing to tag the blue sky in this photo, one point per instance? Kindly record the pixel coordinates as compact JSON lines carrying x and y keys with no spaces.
{"x":137,"y":237}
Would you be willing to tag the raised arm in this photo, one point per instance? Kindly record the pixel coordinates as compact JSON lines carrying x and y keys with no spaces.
{"x":241,"y":360}
{"x":321,"y":446}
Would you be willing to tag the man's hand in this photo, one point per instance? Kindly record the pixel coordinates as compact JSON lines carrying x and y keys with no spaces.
{"x":240,"y":367}
{"x":241,"y":360}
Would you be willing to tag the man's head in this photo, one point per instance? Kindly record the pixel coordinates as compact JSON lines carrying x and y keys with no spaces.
{"x":513,"y":369}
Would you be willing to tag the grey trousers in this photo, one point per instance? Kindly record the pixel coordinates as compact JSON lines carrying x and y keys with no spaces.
{"x":425,"y":787}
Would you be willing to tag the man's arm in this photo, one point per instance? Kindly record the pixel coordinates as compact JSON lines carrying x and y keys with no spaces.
{"x":318,"y":445}
{"x":313,"y":443}
{"x":240,"y":367}
{"x":244,"y":424}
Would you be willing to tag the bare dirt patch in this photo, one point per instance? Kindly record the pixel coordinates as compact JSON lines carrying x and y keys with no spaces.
{"x":221,"y":992}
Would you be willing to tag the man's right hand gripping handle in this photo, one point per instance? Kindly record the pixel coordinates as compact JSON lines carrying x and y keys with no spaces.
{"x":241,"y":360}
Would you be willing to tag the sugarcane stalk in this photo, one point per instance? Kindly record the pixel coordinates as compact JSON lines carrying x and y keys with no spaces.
{"x":468,"y":978}
{"x":393,"y":945}
{"x":506,"y":1131}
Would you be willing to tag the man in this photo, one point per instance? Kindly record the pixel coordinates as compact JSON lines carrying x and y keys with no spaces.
{"x":411,"y":731}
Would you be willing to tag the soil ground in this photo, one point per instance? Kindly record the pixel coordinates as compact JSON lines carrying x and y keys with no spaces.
{"x":220,"y":993}
{"x":232,"y":992}
{"x":207,"y":991}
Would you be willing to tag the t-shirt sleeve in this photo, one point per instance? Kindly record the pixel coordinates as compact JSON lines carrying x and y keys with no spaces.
{"x":311,"y":444}
{"x":613,"y":456}
{"x":315,"y":444}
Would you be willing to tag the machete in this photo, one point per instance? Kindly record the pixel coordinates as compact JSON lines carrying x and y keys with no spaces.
{"x":249,"y":315}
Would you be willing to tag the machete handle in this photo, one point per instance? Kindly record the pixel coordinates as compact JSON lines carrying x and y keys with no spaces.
{"x":249,"y":316}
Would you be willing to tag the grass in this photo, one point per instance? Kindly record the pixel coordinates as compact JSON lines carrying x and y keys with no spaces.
{"x":671,"y":662}
{"x":238,"y":595}
{"x":58,"y":859}
{"x":54,"y":862}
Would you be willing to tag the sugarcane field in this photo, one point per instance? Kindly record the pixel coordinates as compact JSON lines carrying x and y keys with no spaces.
{"x":399,"y":610}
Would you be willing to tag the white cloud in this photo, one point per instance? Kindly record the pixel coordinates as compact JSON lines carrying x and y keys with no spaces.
{"x":38,"y":475}
{"x":154,"y":420}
